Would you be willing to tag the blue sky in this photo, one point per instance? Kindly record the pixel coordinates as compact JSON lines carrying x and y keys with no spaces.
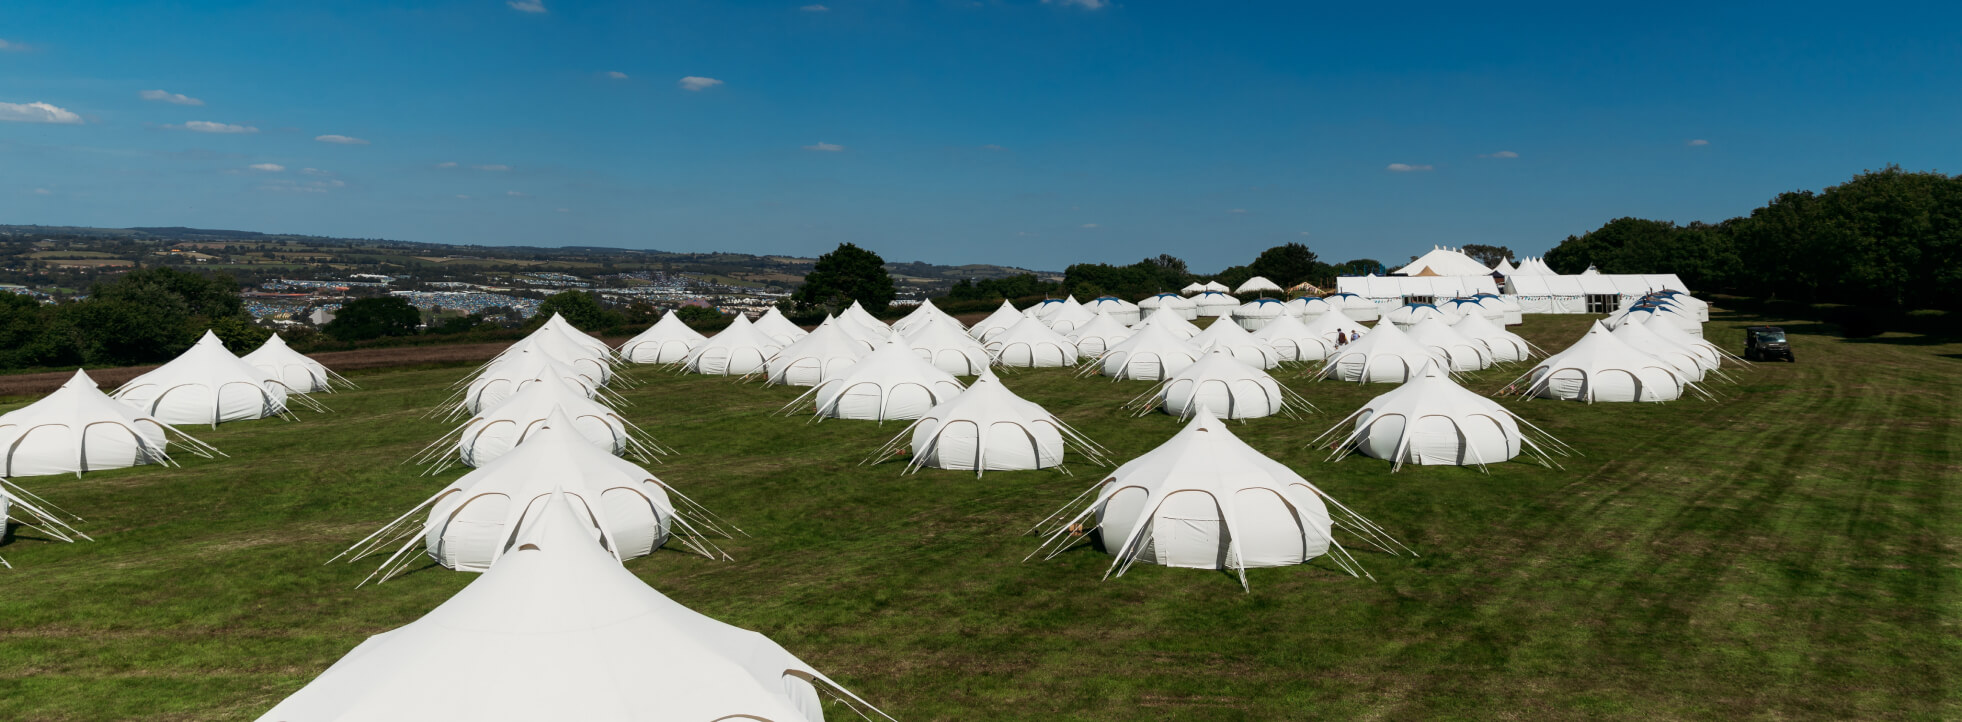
{"x":1018,"y":132}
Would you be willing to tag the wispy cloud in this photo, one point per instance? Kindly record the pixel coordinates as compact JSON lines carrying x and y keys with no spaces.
{"x":527,"y":6}
{"x":169,"y":97}
{"x":815,"y":9}
{"x":1091,"y":225}
{"x":446,"y":164}
{"x":514,"y":194}
{"x":1085,"y":4}
{"x":616,"y":75}
{"x":825,"y":147}
{"x":1500,"y":154}
{"x":14,"y":47}
{"x":38,"y":113}
{"x":267,"y":167}
{"x":341,"y":139}
{"x":462,"y":197}
{"x":206,"y":126}
{"x":43,"y":192}
{"x":313,"y":171}
{"x":1698,"y":141}
{"x":1407,"y":167}
{"x":493,"y":167}
{"x":698,"y":83}
{"x":565,"y":210}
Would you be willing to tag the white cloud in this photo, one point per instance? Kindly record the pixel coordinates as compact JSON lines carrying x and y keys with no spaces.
{"x":37,"y":113}
{"x":527,"y":6}
{"x":565,"y":210}
{"x":1304,"y":233}
{"x":267,"y":167}
{"x":462,"y":196}
{"x":1500,"y":154}
{"x":814,"y":9}
{"x":698,"y":83}
{"x":313,"y":171}
{"x":494,"y":167}
{"x":4,"y":45}
{"x":341,"y":139}
{"x":167,"y":97}
{"x":1236,"y":211}
{"x":1698,"y":141}
{"x":1085,"y":4}
{"x":1407,"y":167}
{"x":1091,"y":225}
{"x":616,"y":75}
{"x":446,"y":164}
{"x":514,"y":194}
{"x":826,"y":147}
{"x":43,"y":192}
{"x":206,"y":126}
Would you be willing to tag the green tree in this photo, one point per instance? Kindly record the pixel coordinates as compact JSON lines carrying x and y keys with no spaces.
{"x":210,"y":297}
{"x":699,"y":315}
{"x":1286,"y":265}
{"x":844,"y":275}
{"x":581,"y":309}
{"x":1488,"y":255}
{"x":366,"y":318}
{"x":239,"y":334}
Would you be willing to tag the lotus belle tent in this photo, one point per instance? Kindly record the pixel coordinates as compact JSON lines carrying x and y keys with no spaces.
{"x":23,"y":506}
{"x":949,"y":349}
{"x":1223,"y":385}
{"x":1431,"y":420}
{"x":1412,"y":314}
{"x":559,"y":630}
{"x":294,"y":369}
{"x":890,"y":383}
{"x":738,"y":350}
{"x":1258,"y":284}
{"x":1094,"y":338}
{"x":1215,"y":304}
{"x":510,"y":374}
{"x":864,"y":318}
{"x":819,"y":355}
{"x":1333,"y":326}
{"x":1355,"y":307}
{"x":499,"y":429}
{"x":1308,"y":307}
{"x":1385,"y":355}
{"x":774,"y":325}
{"x":1294,"y":341}
{"x":78,"y":428}
{"x":996,"y":322}
{"x":1236,"y":342}
{"x":1690,"y":365}
{"x":1207,"y":500}
{"x":1505,"y":346}
{"x":989,"y":428}
{"x":1152,"y":354}
{"x":1125,"y":312}
{"x":1217,"y":287}
{"x":562,"y":346}
{"x":1173,"y":323}
{"x":1043,"y":308}
{"x":1257,"y":313}
{"x":1461,"y":352}
{"x":206,"y":385}
{"x":667,"y":341}
{"x":922,"y":314}
{"x":1168,"y":302}
{"x":477,"y":518}
{"x":1601,"y":367}
{"x":1030,"y":344}
{"x":1068,"y":316}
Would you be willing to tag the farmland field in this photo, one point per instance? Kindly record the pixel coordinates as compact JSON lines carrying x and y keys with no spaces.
{"x":1788,"y":550}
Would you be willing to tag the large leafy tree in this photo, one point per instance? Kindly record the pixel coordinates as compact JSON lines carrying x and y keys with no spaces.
{"x":844,"y":275}
{"x":1287,"y":265}
{"x":579,"y":308}
{"x":366,"y":318}
{"x":1488,"y":255}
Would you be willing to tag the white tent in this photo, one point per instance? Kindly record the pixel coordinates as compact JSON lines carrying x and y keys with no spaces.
{"x":1030,"y":344}
{"x":989,"y":428}
{"x":1385,"y":355}
{"x":477,"y":518}
{"x":77,"y":428}
{"x":1411,"y":314}
{"x":1710,"y":353}
{"x":497,"y":430}
{"x":1700,"y":306}
{"x":1215,"y":304}
{"x":1044,"y":307}
{"x":559,"y":630}
{"x":1223,"y":385}
{"x":1254,"y":314}
{"x":892,"y":382}
{"x":206,"y":385}
{"x":1685,"y":360}
{"x":1504,"y":346}
{"x":558,"y":324}
{"x":293,"y":368}
{"x":1308,"y":307}
{"x":924,"y":313}
{"x":1068,"y":316}
{"x":1601,"y":367}
{"x":1533,"y":267}
{"x":1259,"y":284}
{"x":1178,"y":305}
{"x":856,"y":312}
{"x":1431,"y":420}
{"x":1294,"y":340}
{"x":510,"y":373}
{"x":1355,"y":307}
{"x":949,"y":349}
{"x":1216,"y":287}
{"x":996,"y":322}
{"x":738,"y":350}
{"x":1173,"y":323}
{"x":1094,"y":338}
{"x":1192,"y":288}
{"x":547,"y":341}
{"x":774,"y":325}
{"x":1332,"y":326}
{"x":1207,"y":500}
{"x":667,"y":341}
{"x":1487,"y":306}
{"x":1125,"y":312}
{"x":1460,"y":352}
{"x":1444,"y":262}
{"x":1504,"y":268}
{"x":1151,"y":354}
{"x":819,"y":355}
{"x":1682,"y":317}
{"x":1239,"y":344}
{"x":23,"y":506}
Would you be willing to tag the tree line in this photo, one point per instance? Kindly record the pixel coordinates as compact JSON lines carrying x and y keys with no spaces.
{"x":1887,"y":239}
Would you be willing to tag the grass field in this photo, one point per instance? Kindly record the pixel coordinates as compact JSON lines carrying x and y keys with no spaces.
{"x":1787,"y":551}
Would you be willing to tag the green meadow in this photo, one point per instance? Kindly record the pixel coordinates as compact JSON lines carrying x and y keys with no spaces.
{"x":1786,"y":550}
